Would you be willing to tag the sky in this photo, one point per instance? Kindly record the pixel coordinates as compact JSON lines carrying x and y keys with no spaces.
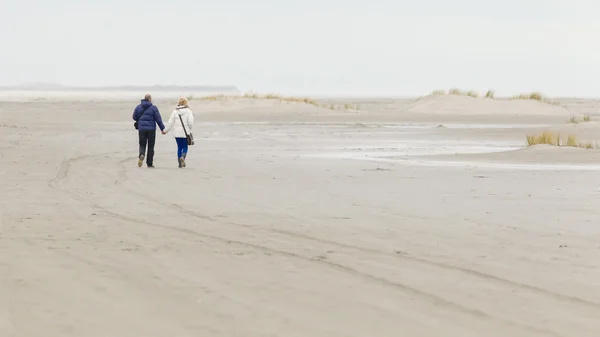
{"x":308,"y":47}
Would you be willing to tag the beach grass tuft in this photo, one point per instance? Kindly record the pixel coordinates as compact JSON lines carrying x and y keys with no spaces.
{"x":545,"y":137}
{"x":536,"y":96}
{"x":460,"y":92}
{"x":555,"y":139}
{"x":571,"y":141}
{"x":574,"y":120}
{"x":456,"y":91}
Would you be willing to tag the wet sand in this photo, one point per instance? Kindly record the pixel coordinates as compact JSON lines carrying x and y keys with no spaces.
{"x":291,"y":220}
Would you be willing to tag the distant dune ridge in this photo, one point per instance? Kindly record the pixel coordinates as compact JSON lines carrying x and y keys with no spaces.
{"x":53,"y":91}
{"x":465,"y":105}
{"x":157,"y":87}
{"x":216,"y":96}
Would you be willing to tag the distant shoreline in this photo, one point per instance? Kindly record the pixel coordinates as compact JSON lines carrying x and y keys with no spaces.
{"x":169,"y":88}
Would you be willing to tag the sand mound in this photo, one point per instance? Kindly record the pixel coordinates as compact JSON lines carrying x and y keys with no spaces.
{"x":262,"y":106}
{"x":465,"y":105}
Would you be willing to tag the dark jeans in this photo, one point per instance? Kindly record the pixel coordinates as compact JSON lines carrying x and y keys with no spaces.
{"x":147,"y":137}
{"x":182,"y":147}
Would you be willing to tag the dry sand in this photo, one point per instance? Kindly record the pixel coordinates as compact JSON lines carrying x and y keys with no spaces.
{"x":292,"y":220}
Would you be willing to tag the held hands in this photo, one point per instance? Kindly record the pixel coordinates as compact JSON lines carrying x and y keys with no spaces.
{"x":163,"y":132}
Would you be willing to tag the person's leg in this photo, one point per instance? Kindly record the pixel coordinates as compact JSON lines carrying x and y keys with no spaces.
{"x":143,"y":138}
{"x":179,"y":147}
{"x":184,"y":151}
{"x":151,"y":142}
{"x":178,"y":150}
{"x":180,"y":144}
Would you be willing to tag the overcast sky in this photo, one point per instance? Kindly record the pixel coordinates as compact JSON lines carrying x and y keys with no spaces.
{"x":374,"y":47}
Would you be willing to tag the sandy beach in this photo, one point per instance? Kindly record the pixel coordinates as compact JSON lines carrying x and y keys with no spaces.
{"x":419,"y":217}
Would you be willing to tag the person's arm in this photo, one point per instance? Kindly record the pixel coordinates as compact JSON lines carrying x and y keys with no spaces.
{"x":135,"y":113}
{"x":158,"y":119}
{"x":190,"y":120}
{"x":170,"y":122}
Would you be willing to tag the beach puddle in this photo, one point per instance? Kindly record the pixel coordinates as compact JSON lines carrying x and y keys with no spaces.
{"x":405,"y":153}
{"x":405,"y":158}
{"x":465,"y":126}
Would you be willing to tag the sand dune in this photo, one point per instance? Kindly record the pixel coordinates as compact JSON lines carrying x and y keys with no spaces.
{"x":459,"y":105}
{"x":276,"y":228}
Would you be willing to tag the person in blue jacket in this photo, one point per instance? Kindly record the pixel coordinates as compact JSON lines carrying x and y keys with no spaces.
{"x":147,"y":116}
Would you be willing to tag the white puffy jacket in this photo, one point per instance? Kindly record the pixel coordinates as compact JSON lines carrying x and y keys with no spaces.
{"x":174,"y":123}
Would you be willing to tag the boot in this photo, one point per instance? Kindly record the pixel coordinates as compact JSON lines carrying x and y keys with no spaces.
{"x":182,"y":159}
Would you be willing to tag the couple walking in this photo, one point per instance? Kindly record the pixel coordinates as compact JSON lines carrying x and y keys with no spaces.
{"x":146,"y":116}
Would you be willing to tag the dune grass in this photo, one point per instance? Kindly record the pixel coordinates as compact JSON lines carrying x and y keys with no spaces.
{"x":574,"y":120}
{"x":455,"y":91}
{"x":572,"y":141}
{"x":546,"y":137}
{"x":345,"y":106}
{"x":288,"y":99}
{"x":490,"y":94}
{"x":459,"y":92}
{"x":536,"y":96}
{"x":250,"y":95}
{"x":555,"y":139}
{"x":282,"y":98}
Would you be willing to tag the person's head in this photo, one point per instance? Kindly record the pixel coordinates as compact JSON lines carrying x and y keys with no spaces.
{"x":183,"y":101}
{"x":148,"y":98}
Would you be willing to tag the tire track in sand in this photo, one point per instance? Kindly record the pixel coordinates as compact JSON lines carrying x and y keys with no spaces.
{"x":475,"y":273}
{"x":65,"y":166}
{"x":436,"y":300}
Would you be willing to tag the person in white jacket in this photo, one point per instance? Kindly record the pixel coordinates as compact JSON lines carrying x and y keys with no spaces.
{"x":175,"y":124}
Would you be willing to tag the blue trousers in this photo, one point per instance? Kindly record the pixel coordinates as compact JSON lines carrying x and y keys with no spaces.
{"x":182,"y":147}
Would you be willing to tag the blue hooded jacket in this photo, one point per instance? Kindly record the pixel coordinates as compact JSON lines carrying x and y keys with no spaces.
{"x":150,"y":118}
